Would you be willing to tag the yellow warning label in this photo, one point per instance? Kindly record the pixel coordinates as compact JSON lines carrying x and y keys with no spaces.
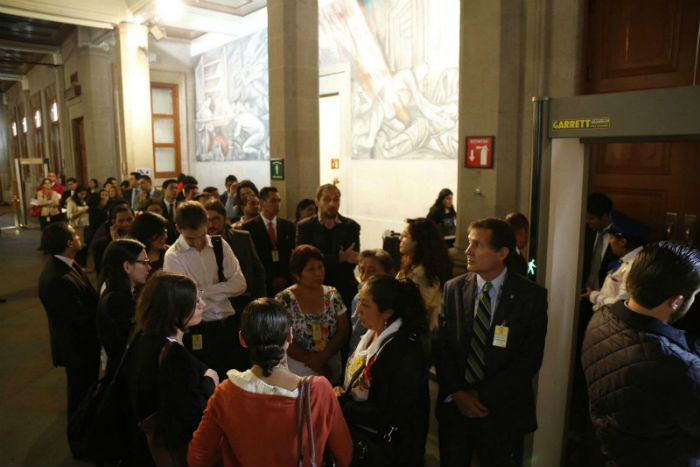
{"x":581,"y":123}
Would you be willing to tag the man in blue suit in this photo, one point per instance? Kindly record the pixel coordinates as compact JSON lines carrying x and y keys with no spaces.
{"x":491,"y":341}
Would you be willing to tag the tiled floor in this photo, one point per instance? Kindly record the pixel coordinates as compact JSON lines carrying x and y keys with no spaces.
{"x":32,"y":391}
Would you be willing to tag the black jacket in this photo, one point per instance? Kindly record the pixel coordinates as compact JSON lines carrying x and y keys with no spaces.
{"x":506,"y":389}
{"x":608,"y":256}
{"x":70,"y":306}
{"x":340,"y":275}
{"x":398,"y":396}
{"x":263,"y":246}
{"x":178,"y":391}
{"x":644,"y":389}
{"x":115,"y":318}
{"x":251,"y":266}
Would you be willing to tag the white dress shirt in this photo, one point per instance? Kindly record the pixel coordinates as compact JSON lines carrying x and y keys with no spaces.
{"x":494,"y":292}
{"x":267,"y":222}
{"x":201,"y":266}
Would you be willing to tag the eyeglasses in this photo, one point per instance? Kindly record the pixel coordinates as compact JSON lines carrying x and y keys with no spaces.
{"x":145,"y":262}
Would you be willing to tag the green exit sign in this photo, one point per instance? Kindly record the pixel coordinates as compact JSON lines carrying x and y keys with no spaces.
{"x":277,"y":169}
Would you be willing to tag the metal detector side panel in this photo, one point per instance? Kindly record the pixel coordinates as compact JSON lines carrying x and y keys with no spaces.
{"x":658,"y":114}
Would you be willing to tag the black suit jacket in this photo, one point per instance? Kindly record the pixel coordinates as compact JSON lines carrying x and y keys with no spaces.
{"x":253,"y":270}
{"x":70,"y":306}
{"x":340,"y":275}
{"x":608,"y":256}
{"x":506,"y":389}
{"x":263,"y":246}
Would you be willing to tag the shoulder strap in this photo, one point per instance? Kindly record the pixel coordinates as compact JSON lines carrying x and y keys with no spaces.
{"x":219,"y":253}
{"x":132,"y":338}
{"x":304,"y":408}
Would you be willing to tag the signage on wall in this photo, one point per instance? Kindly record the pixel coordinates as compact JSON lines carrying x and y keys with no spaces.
{"x":335,"y":163}
{"x":277,"y":169}
{"x":581,"y":123}
{"x":144,"y":171}
{"x":479,"y":153}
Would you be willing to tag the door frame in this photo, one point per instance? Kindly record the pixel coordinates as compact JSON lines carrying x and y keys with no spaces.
{"x":559,"y":184}
{"x":79,"y":150}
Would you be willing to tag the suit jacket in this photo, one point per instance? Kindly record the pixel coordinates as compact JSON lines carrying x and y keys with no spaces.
{"x":506,"y":389}
{"x":608,"y":256}
{"x":253,"y":270}
{"x":263,"y":246}
{"x":346,"y":232}
{"x":70,"y":306}
{"x":64,"y":197}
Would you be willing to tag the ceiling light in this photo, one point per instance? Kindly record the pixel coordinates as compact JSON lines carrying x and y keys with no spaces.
{"x":24,"y":124}
{"x":169,"y":9}
{"x":37,"y":118}
{"x":14,"y":128}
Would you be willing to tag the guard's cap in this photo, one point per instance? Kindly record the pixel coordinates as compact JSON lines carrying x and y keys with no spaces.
{"x":624,"y":226}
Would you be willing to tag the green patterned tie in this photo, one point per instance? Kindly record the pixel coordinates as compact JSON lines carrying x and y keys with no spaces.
{"x":482,"y":324}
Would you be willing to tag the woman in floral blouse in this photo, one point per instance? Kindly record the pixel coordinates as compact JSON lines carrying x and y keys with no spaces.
{"x":318,"y":329}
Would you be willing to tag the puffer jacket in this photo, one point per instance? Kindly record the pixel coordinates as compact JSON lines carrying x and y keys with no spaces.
{"x":644,"y":389}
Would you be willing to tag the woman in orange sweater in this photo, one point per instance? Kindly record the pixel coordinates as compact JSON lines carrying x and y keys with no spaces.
{"x":252,"y":417}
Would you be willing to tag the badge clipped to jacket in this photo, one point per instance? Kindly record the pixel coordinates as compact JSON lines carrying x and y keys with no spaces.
{"x":500,"y":336}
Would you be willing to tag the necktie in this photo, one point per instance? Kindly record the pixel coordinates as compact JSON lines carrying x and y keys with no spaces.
{"x":482,"y":324}
{"x":170,"y":211}
{"x":272,"y":234}
{"x":596,"y":260}
{"x":79,"y":269}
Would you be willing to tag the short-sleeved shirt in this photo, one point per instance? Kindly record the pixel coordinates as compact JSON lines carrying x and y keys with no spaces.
{"x":313,"y":332}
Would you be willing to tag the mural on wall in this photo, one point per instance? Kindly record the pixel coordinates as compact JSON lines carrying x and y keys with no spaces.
{"x":232,"y":100}
{"x":404,"y":58}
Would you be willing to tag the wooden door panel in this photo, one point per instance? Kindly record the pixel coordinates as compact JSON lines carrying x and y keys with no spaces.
{"x":631,"y":158}
{"x":641,"y":44}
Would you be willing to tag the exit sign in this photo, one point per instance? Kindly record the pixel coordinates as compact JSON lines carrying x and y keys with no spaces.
{"x":277,"y":169}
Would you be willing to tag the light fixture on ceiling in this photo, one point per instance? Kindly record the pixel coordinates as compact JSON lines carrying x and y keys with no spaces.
{"x":24,"y":125}
{"x":157,"y":32}
{"x":54,"y":111}
{"x":14,"y":128}
{"x":169,"y":9}
{"x":37,"y":118}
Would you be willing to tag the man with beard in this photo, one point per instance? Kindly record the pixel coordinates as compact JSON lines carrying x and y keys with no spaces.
{"x":643,"y":378}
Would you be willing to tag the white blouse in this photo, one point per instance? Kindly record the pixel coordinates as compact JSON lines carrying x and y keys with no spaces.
{"x":247,"y":381}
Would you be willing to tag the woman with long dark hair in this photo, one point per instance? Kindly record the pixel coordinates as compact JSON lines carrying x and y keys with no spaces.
{"x":251,"y":418}
{"x":125,"y":268}
{"x":151,"y":230}
{"x":385,"y":392}
{"x":168,"y":387}
{"x":425,"y":261}
{"x":443,"y":213}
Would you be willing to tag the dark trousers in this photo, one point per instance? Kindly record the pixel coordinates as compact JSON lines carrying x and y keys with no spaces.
{"x":80,"y":376}
{"x":221,"y":350}
{"x":460,"y":437}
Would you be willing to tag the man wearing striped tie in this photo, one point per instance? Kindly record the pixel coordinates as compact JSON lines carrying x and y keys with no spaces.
{"x":491,"y":341}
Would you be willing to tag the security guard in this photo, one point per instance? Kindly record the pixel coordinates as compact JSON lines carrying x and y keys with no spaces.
{"x":627,"y":236}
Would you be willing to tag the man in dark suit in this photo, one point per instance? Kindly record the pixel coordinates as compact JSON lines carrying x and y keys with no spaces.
{"x":70,"y":302}
{"x":146,"y":192}
{"x":71,"y":184}
{"x":521,"y":229}
{"x":274,"y":241}
{"x":597,"y":252}
{"x":337,"y":237}
{"x":491,"y":341}
{"x":243,"y":248}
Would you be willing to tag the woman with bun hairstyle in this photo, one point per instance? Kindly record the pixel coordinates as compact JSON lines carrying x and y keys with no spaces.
{"x":251,"y":419}
{"x":385,"y":392}
{"x":151,"y":229}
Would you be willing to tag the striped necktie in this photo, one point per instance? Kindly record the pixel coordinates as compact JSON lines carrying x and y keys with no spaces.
{"x":482,"y":323}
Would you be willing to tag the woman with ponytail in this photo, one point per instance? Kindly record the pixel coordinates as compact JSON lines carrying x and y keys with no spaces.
{"x":385,"y":394}
{"x":125,"y":268}
{"x":252,"y":417}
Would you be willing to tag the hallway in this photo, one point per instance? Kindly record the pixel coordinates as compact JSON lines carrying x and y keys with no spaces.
{"x":32,"y":391}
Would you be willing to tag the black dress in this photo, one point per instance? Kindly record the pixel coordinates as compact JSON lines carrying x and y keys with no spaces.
{"x":177,"y":390}
{"x":398,"y":397}
{"x":115,"y":318}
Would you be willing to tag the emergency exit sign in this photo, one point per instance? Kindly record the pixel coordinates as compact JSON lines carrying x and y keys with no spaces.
{"x":479,"y":152}
{"x":277,"y":169}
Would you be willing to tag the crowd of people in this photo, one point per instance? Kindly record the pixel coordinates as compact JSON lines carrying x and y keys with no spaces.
{"x":215,"y":314}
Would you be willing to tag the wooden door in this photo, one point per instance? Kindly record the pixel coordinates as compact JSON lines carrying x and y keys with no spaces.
{"x":645,"y":44}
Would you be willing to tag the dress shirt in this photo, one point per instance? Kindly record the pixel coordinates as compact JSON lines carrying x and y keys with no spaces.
{"x":68,"y":261}
{"x":201,"y":266}
{"x":267,"y":222}
{"x":614,"y":288}
{"x":336,"y":220}
{"x":494,"y":292}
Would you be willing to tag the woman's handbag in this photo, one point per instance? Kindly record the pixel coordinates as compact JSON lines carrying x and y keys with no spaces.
{"x":97,"y":431}
{"x":304,"y":409}
{"x":162,"y":455}
{"x":371,"y":448}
